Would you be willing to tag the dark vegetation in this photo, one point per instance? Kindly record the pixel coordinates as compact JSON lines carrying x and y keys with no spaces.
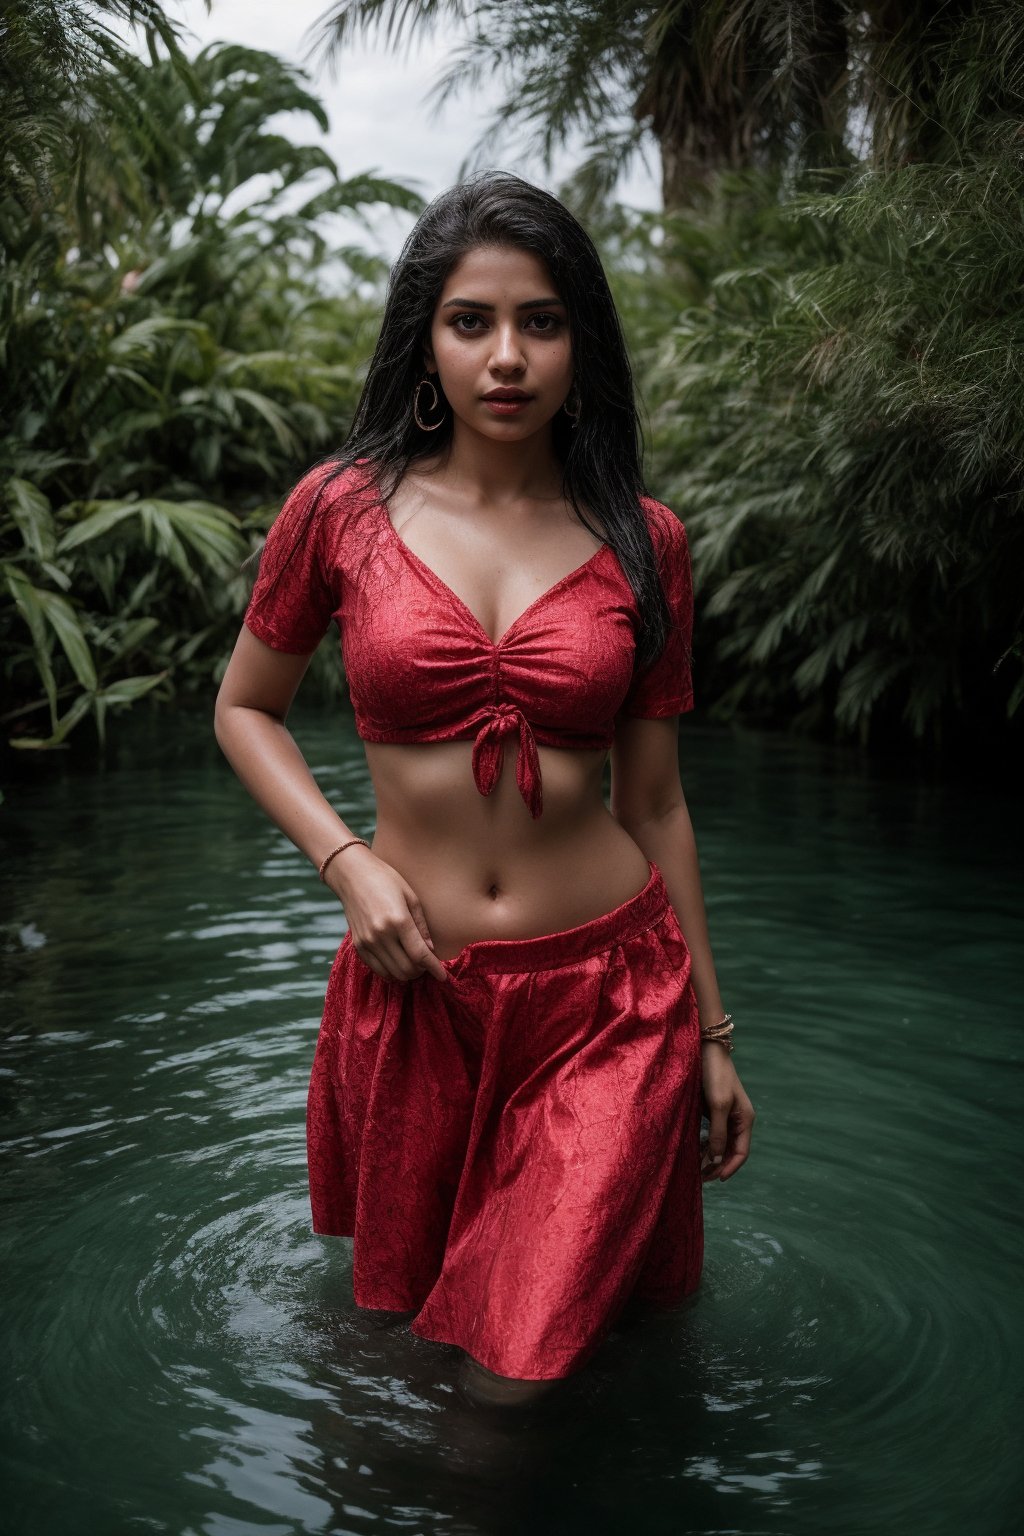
{"x":826,"y":320}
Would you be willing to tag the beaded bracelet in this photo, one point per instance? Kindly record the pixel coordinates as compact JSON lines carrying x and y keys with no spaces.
{"x":719,"y":1032}
{"x":330,"y":856}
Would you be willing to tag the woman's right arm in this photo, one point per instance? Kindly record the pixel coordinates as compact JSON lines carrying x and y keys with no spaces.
{"x":384,"y":913}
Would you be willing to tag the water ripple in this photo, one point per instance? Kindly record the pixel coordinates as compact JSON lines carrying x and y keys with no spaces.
{"x":185,"y":1351}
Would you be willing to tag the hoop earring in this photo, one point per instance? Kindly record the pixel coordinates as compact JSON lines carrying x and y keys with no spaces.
{"x":424,"y":426}
{"x":573,"y":415}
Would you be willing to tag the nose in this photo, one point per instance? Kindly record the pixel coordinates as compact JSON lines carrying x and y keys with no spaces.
{"x":506,"y":351}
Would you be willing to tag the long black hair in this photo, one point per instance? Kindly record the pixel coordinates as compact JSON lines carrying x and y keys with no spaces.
{"x":601,"y":456}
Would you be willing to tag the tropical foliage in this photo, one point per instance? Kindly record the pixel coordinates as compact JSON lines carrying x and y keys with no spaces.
{"x":839,"y":425}
{"x":826,"y":323}
{"x":716,"y":84}
{"x":171,"y":358}
{"x":840,"y":412}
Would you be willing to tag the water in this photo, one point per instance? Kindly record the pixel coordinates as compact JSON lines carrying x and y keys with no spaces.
{"x":183,"y":1353}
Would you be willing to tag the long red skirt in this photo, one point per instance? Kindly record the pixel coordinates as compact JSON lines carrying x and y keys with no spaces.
{"x":516,"y":1154}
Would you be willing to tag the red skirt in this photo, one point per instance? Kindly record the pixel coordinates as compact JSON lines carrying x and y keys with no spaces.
{"x":516,"y":1154}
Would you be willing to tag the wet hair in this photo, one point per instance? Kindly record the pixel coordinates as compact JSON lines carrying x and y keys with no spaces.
{"x":601,"y":456}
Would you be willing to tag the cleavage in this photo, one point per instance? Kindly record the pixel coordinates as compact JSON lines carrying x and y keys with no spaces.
{"x":456,"y":586}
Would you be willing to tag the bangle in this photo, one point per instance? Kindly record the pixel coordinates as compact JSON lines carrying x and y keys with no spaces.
{"x":719,"y":1032}
{"x":330,"y":856}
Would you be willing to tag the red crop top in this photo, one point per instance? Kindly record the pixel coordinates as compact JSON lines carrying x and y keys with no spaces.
{"x":421,"y":668}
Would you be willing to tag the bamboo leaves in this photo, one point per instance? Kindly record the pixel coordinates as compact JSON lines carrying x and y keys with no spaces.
{"x":169,"y":529}
{"x":31,"y":512}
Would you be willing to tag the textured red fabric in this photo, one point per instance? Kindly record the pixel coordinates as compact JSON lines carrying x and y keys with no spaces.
{"x":516,"y":1154}
{"x":421,"y":668}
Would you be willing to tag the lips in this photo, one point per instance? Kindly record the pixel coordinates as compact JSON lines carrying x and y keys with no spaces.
{"x":507,"y":394}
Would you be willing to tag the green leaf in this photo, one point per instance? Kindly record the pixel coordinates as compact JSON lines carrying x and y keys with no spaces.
{"x":166,"y":527}
{"x":272,"y":414}
{"x":128,"y":689}
{"x":108,"y":515}
{"x":31,"y":511}
{"x":57,"y":576}
{"x":27,"y":602}
{"x":125,"y":691}
{"x":38,"y":607}
{"x":145,"y":338}
{"x":64,"y":622}
{"x":81,"y":707}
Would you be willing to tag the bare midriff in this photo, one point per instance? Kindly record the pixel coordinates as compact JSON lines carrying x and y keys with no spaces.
{"x":481,"y":865}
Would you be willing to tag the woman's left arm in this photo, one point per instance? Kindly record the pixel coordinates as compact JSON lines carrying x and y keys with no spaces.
{"x":647,"y":800}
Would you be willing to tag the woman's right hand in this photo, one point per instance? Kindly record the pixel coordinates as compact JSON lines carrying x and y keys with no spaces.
{"x":385,"y":918}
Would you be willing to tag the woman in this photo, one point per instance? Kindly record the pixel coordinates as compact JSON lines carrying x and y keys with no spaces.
{"x":504,"y":1108}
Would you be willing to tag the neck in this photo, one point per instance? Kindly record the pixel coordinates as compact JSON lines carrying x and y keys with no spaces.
{"x":493,"y":473}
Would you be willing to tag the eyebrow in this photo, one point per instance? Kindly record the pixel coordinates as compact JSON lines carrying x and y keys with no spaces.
{"x":476,"y":304}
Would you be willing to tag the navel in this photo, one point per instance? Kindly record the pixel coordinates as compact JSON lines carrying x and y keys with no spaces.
{"x":493,"y":892}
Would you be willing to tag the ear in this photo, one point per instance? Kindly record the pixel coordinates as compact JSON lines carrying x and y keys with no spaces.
{"x":428,"y":358}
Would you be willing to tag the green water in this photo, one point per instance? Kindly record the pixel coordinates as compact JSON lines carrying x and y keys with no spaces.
{"x":183,"y":1355}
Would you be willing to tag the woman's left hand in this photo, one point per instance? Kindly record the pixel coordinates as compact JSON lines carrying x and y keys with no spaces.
{"x":730,"y":1112}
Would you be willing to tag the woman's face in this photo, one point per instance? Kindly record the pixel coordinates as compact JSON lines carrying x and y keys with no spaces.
{"x":501,"y":324}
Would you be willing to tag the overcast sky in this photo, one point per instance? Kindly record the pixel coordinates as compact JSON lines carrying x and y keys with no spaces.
{"x":375,"y":102}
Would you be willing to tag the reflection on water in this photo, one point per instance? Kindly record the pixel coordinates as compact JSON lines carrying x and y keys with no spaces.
{"x":185,"y":1355}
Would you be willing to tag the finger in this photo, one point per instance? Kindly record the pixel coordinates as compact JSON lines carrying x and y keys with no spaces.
{"x":419,"y":945}
{"x":738,"y":1153}
{"x":370,"y":960}
{"x":719,"y":1135}
{"x":384,"y":956}
{"x":408,"y":957}
{"x":419,"y":919}
{"x":436,"y":969}
{"x":400,"y":966}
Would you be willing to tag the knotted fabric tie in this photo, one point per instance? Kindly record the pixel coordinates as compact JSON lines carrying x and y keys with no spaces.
{"x":504,"y":720}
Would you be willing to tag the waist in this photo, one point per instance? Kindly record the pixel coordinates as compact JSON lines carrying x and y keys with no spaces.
{"x":577,"y":941}
{"x":427,"y":794}
{"x":482,"y":868}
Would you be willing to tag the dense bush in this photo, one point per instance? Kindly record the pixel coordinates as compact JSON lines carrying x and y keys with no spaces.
{"x":839,"y":422}
{"x":833,"y":363}
{"x":170,"y":366}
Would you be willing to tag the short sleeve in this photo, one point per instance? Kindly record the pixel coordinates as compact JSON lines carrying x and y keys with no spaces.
{"x":665,"y":686}
{"x":292,"y":601}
